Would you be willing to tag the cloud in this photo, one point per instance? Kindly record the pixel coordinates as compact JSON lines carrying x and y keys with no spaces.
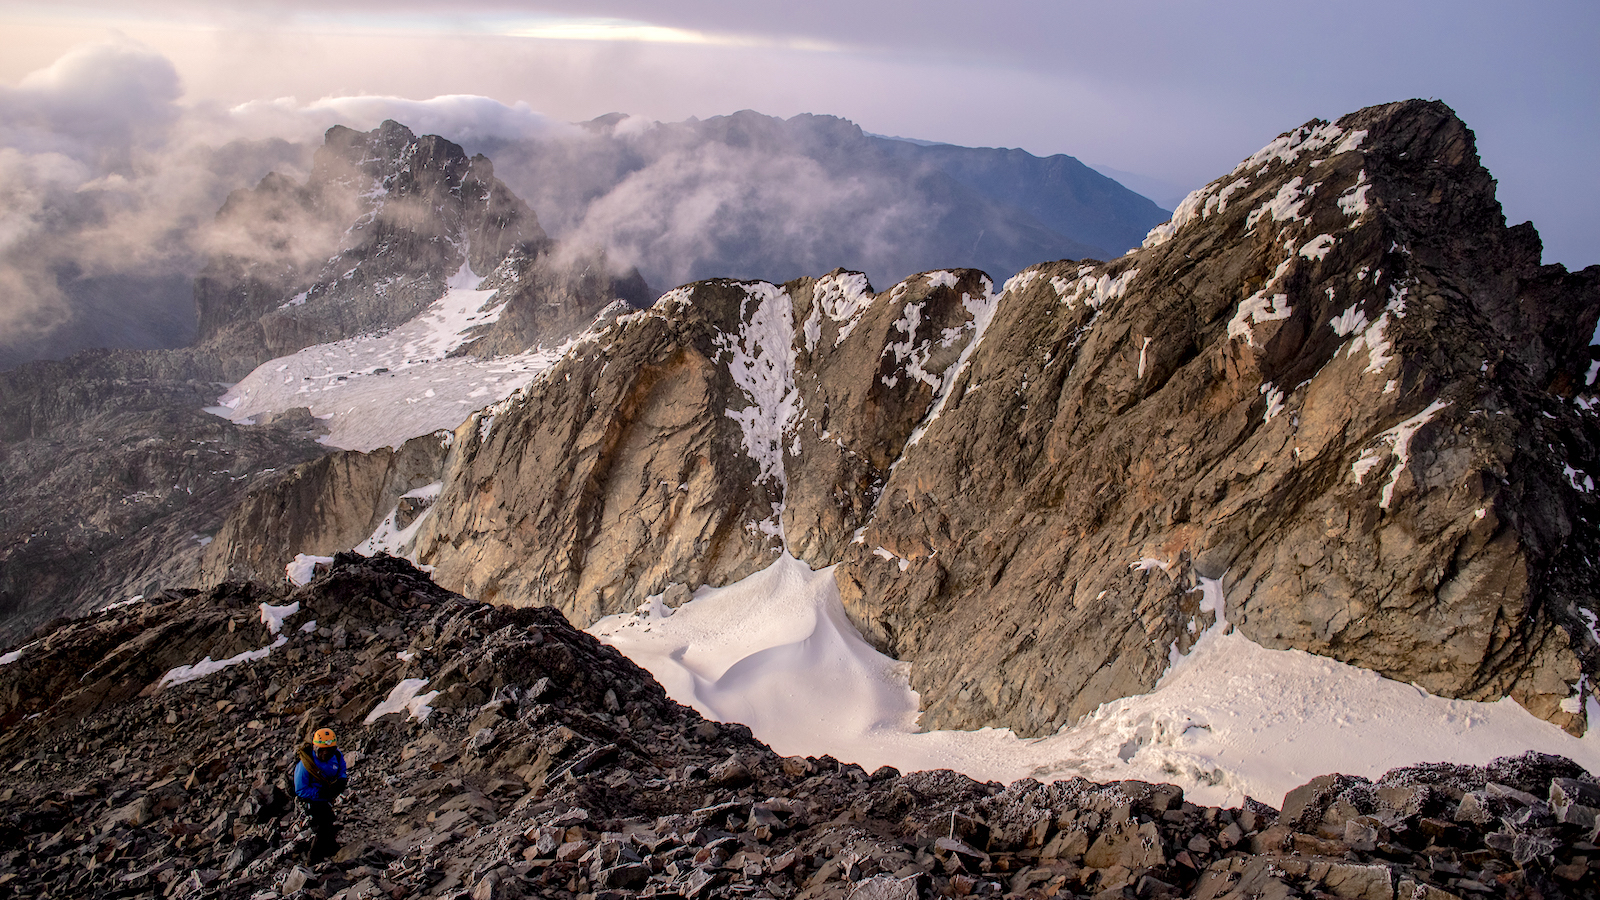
{"x":715,"y":209}
{"x":572,"y":28}
{"x":98,"y":104}
{"x":105,"y":179}
{"x":463,"y":118}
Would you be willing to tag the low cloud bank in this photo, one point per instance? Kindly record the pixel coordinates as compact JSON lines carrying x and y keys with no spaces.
{"x":110,"y":184}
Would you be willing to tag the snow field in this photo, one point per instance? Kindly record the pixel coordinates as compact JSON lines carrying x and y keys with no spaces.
{"x":380,"y":390}
{"x":1230,"y":719}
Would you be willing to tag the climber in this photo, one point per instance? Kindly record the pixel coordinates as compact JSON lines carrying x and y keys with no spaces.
{"x":319,"y":778}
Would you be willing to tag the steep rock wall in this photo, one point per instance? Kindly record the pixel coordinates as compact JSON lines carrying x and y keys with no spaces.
{"x":684,"y":443}
{"x":1336,"y":382}
{"x":318,"y":508}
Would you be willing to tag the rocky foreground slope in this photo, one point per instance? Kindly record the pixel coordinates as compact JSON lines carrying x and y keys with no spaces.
{"x":546,"y":765}
{"x":1336,"y":381}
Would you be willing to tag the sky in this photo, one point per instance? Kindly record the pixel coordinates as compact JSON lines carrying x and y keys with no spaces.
{"x":1172,"y":91}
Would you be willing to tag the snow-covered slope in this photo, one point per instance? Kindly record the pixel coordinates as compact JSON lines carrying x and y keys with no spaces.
{"x":1230,"y":719}
{"x":379,"y":390}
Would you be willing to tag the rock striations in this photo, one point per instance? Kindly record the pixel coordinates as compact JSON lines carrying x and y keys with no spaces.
{"x":1336,"y":381}
{"x":540,"y":763}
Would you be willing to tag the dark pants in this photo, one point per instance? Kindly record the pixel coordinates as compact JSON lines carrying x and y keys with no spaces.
{"x":324,"y":829}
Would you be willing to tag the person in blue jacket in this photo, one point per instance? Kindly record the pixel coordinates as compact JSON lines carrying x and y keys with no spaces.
{"x":319,"y":778}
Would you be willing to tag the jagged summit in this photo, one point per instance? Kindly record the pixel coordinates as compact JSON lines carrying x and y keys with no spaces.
{"x":368,"y":241}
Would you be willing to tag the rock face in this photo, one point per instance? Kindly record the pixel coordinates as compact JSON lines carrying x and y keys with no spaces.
{"x":1336,"y":381}
{"x":536,"y":762}
{"x":318,"y":508}
{"x":664,"y":453}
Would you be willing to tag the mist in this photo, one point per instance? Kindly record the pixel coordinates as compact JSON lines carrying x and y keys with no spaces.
{"x":106,"y":183}
{"x":110,"y":186}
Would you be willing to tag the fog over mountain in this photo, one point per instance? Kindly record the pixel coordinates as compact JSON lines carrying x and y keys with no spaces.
{"x":105,"y":184}
{"x":111,"y":182}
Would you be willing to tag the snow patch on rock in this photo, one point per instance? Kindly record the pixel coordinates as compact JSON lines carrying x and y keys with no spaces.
{"x":1398,"y":439}
{"x":209,"y":666}
{"x":1256,"y":309}
{"x":405,"y":697}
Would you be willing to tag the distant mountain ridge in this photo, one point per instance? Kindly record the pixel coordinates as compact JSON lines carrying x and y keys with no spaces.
{"x":744,"y":195}
{"x":810,"y":193}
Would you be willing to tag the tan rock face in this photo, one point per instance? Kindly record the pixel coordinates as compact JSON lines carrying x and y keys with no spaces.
{"x":1350,"y":411}
{"x":868,"y":369}
{"x":690,"y":439}
{"x":319,"y":508}
{"x":612,"y":477}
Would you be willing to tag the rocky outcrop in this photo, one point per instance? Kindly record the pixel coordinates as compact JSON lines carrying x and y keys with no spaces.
{"x":610,"y":473}
{"x":319,"y":508}
{"x":660,"y":453}
{"x":529,"y":760}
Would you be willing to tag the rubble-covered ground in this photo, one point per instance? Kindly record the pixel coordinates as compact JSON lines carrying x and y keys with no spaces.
{"x":547,"y":765}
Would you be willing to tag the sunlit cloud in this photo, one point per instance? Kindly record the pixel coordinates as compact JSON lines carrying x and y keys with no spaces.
{"x":595,"y":29}
{"x":633,"y":31}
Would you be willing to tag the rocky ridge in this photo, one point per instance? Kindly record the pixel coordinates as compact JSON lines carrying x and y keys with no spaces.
{"x":550,"y":766}
{"x":1336,"y":381}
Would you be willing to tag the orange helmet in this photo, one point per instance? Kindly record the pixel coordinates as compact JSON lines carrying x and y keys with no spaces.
{"x":324,"y":738}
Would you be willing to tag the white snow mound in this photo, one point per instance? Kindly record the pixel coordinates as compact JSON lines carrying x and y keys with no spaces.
{"x":776,"y":652}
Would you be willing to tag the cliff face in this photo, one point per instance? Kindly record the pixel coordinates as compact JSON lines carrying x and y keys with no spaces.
{"x":1335,"y":381}
{"x":318,"y":508}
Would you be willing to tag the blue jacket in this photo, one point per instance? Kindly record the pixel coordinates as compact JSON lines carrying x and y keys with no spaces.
{"x":326,"y":783}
